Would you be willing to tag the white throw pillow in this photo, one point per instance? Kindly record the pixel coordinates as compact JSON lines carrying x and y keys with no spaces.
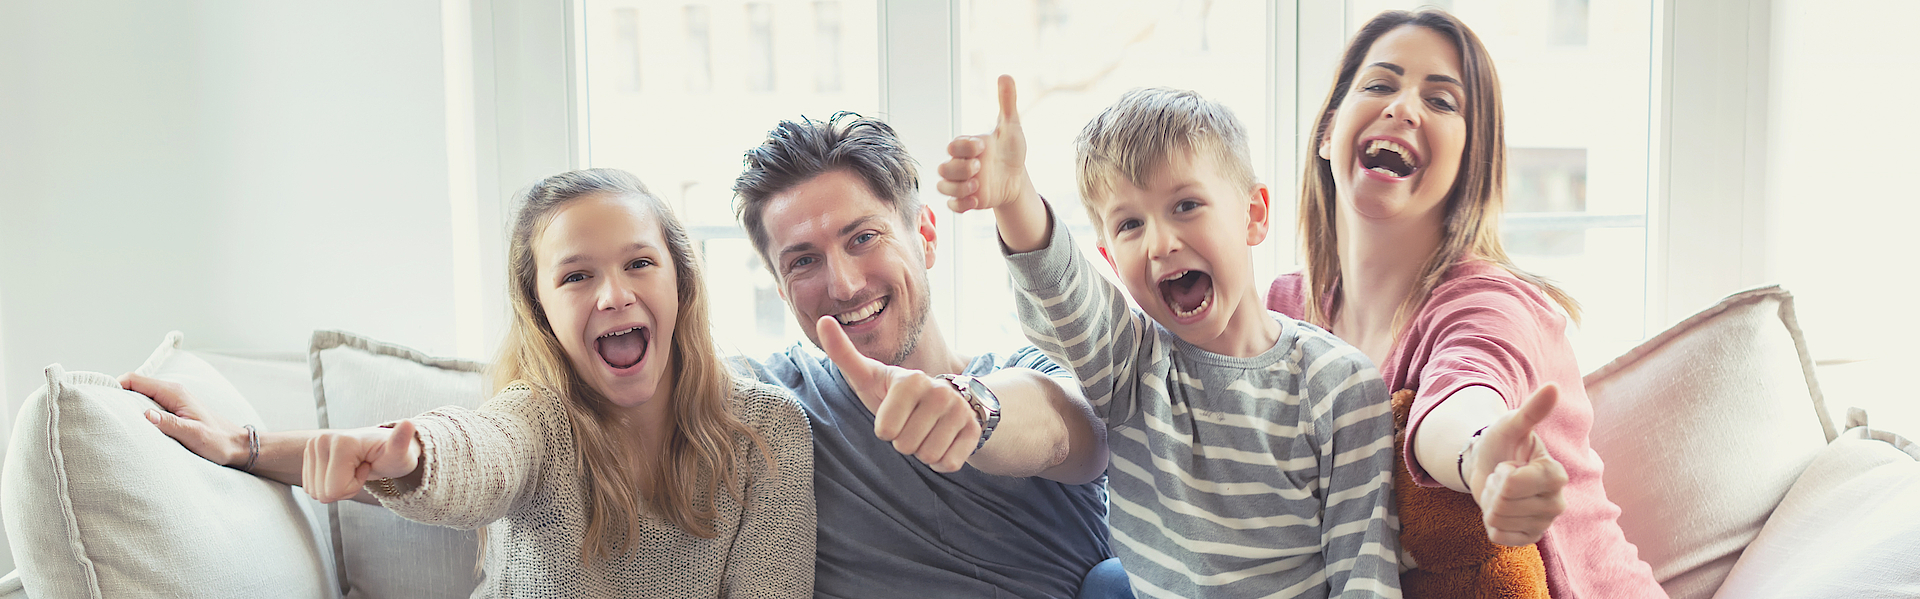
{"x":1849,"y":528}
{"x":99,"y":503}
{"x":360,"y":382}
{"x":1703,"y":429}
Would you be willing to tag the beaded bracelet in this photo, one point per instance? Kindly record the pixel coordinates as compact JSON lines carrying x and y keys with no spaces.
{"x":1460,"y":461}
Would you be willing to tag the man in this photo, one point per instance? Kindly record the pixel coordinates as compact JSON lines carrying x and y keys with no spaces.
{"x":921,"y":489}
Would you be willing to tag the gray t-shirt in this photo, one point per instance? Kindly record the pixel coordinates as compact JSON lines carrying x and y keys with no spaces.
{"x":1231,"y":477}
{"x":892,"y":527}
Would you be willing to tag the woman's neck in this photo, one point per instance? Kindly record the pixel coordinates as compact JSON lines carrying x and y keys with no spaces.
{"x":1380,"y":262}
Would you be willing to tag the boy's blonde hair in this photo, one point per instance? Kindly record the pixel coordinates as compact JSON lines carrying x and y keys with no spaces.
{"x":1137,"y":136}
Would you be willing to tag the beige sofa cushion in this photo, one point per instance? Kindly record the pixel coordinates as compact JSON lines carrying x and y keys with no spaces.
{"x":1849,"y":528}
{"x":361,"y":382}
{"x":1703,"y":429}
{"x":99,"y":503}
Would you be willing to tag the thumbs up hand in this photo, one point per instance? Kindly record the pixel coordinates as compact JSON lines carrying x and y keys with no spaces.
{"x":923,"y":416}
{"x":1517,"y":484}
{"x":338,"y":462}
{"x":988,"y":171}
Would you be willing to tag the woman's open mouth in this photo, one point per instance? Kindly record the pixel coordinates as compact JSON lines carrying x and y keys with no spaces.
{"x":1389,"y":159}
{"x":624,"y":349}
{"x":1188,"y":294}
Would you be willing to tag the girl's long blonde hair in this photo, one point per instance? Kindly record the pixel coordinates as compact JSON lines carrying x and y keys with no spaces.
{"x":698,"y":460}
{"x":1472,"y":222}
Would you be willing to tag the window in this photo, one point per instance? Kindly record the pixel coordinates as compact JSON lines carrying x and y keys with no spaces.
{"x":676,"y":91}
{"x":746,"y":66}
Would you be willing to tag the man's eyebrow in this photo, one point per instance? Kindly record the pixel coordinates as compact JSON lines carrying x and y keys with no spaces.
{"x":803,"y":246}
{"x":857,"y":223}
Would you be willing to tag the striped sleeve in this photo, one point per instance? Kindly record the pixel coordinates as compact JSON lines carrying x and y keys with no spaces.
{"x":1081,"y":321}
{"x":1353,"y":427}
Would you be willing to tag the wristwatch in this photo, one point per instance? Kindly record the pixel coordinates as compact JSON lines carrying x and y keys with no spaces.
{"x":986,"y":406}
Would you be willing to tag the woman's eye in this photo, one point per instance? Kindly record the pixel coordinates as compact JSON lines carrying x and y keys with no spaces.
{"x":574,"y":278}
{"x":1443,"y":104}
{"x":1379,"y":88}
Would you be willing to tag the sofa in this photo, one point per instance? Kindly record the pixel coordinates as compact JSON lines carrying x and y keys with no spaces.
{"x":1733,"y":477}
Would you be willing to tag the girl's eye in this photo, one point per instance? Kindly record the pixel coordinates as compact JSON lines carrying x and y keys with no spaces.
{"x":574,"y":278}
{"x":1127,"y":225}
{"x":641,"y":263}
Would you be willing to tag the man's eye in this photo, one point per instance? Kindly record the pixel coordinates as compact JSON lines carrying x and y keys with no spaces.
{"x":864,"y":237}
{"x":802,"y":261}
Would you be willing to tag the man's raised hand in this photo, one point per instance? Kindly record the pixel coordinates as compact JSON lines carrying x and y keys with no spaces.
{"x":923,"y":416}
{"x":1520,"y":483}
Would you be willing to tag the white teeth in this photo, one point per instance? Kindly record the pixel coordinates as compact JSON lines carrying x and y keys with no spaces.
{"x":1196,"y":309}
{"x":1374,"y":147}
{"x":619,"y":333}
{"x":863,"y":313}
{"x":1383,"y":170}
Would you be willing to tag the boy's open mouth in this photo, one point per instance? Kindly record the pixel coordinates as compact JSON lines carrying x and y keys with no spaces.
{"x":624,"y":348}
{"x":1187,"y":294}
{"x":1389,"y":158}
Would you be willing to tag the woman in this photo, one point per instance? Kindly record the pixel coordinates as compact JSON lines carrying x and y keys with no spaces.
{"x":1399,"y":218}
{"x":602,"y":467}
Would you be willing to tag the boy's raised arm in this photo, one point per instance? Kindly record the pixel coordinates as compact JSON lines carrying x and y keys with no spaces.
{"x":990,"y":172}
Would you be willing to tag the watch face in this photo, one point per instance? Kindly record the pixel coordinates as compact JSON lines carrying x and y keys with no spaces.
{"x":980,"y":392}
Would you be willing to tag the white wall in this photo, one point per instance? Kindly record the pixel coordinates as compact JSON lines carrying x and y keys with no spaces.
{"x":244,"y":172}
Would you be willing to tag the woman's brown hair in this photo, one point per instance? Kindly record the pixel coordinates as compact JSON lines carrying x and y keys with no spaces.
{"x":699,"y":453}
{"x":1471,"y":225}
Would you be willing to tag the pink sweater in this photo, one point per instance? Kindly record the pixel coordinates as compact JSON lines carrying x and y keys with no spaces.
{"x":1483,"y":326}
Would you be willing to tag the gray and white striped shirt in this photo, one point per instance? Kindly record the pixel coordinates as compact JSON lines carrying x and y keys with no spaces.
{"x":1267,"y":476}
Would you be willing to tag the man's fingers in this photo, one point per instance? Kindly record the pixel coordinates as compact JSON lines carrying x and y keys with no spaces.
{"x":864,"y":374}
{"x":959,"y":169}
{"x":1009,"y":101}
{"x":959,"y":190}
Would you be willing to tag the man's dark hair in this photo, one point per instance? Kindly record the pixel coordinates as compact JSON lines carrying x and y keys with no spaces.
{"x":796,"y":151}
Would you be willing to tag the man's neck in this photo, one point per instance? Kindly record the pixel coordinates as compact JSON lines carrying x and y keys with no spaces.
{"x":932,"y":355}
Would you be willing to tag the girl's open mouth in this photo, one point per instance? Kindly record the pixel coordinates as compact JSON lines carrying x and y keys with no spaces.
{"x":624,"y":349}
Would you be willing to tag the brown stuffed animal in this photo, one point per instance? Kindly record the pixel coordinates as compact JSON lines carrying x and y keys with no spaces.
{"x":1442,"y":530}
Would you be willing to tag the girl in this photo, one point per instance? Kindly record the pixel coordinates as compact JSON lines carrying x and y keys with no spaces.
{"x":604,"y":466}
{"x":1399,"y":218}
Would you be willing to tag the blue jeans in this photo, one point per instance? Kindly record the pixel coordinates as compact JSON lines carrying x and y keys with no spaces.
{"x":1107,"y":580}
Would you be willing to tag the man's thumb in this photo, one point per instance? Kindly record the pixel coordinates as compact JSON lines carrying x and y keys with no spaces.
{"x":858,"y":368}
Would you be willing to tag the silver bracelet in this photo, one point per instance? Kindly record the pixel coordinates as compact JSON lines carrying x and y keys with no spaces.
{"x":253,"y":448}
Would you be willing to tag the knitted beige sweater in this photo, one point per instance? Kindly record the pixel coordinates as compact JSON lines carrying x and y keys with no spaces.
{"x":511,"y":466}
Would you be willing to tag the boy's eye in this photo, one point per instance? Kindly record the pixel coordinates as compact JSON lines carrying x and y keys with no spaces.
{"x":1127,"y":225}
{"x":1186,"y":205}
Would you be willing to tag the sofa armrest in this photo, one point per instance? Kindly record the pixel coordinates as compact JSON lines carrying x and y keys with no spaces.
{"x":11,"y":587}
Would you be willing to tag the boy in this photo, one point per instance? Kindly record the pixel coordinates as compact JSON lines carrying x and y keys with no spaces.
{"x":1251,"y":453}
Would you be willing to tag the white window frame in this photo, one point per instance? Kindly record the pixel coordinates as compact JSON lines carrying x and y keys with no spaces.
{"x":1705,"y":230}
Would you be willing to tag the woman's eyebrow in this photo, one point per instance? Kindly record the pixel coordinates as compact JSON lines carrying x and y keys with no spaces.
{"x":1389,"y":66}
